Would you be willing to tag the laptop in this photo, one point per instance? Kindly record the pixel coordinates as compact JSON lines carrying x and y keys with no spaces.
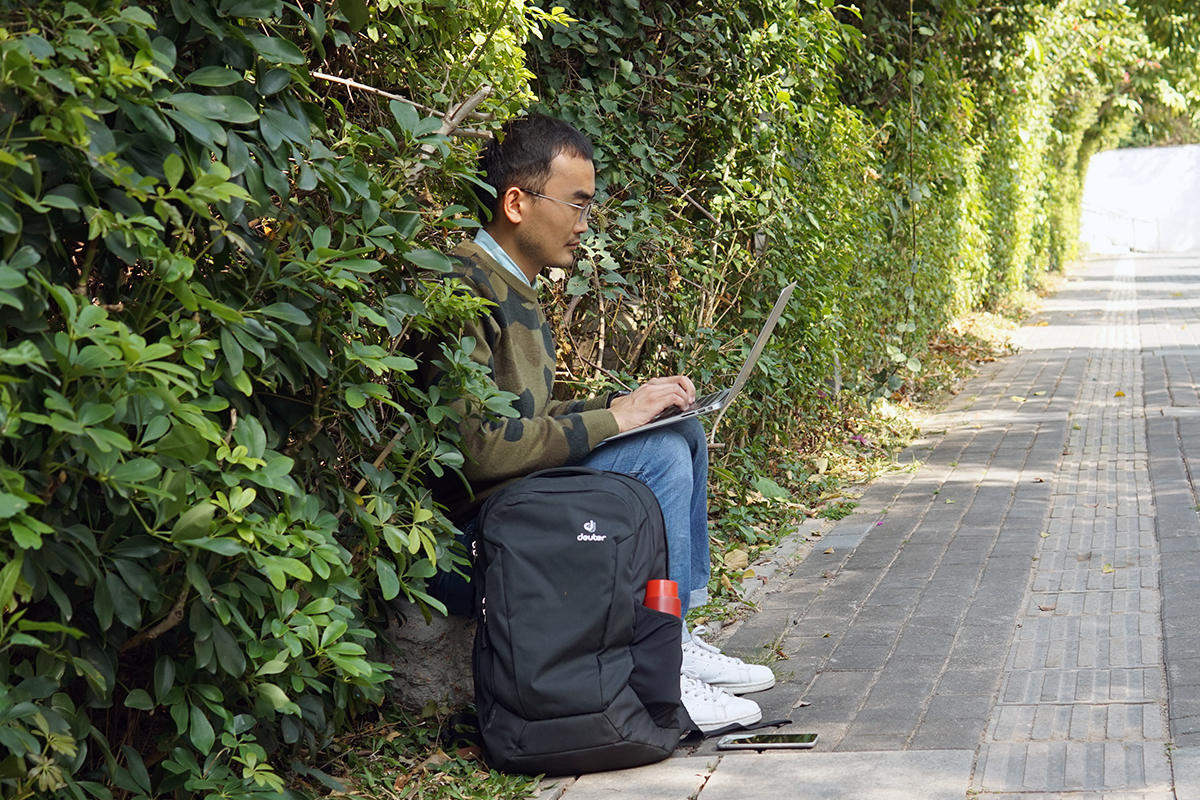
{"x":719,"y":400}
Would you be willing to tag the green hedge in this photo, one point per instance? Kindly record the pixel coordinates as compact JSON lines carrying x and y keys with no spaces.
{"x":208,"y":435}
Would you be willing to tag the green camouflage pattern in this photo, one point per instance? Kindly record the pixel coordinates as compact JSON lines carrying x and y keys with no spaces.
{"x":514,"y":342}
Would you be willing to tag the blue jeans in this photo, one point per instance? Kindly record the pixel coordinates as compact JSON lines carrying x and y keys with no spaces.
{"x":673,"y":461}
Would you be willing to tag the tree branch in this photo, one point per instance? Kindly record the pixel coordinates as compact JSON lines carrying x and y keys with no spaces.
{"x":173,"y":618}
{"x":362,"y":87}
{"x":464,"y":109}
{"x":699,"y":207}
{"x":450,"y":122}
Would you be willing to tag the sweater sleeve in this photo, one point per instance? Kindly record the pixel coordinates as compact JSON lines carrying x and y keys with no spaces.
{"x":500,"y":448}
{"x":561,"y":407}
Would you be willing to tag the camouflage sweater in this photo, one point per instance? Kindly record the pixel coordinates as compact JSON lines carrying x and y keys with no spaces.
{"x":515,"y":343}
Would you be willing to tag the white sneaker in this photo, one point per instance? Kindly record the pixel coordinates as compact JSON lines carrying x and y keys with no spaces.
{"x":712,"y":666}
{"x":712,"y":708}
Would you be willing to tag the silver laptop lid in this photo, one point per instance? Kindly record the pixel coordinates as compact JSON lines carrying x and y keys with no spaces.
{"x":755,"y":351}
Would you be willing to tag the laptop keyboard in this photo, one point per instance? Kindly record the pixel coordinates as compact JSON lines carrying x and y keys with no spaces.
{"x":673,"y":411}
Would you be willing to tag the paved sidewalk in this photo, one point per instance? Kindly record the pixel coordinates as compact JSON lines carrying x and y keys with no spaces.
{"x":1019,"y":615}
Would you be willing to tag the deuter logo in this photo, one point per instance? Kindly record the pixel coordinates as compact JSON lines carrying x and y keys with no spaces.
{"x":589,"y":534}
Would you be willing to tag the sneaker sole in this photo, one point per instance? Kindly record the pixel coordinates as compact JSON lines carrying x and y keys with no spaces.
{"x":746,"y":688}
{"x":748,"y":719}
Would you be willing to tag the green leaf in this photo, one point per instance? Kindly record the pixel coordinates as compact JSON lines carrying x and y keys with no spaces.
{"x":200,"y":730}
{"x":138,"y":470}
{"x":50,"y":627}
{"x":272,"y":667}
{"x":173,"y":169}
{"x":252,"y":9}
{"x":164,"y":677}
{"x":90,"y":674}
{"x":275,"y":50}
{"x":139,"y":699}
{"x":405,"y":115}
{"x":273,"y":695}
{"x":11,"y":279}
{"x":287,"y":312}
{"x":11,"y":505}
{"x":770,"y":489}
{"x":234,"y":357}
{"x":274,"y":81}
{"x":290,"y":128}
{"x":322,"y":605}
{"x":201,"y":128}
{"x":389,"y":584}
{"x":25,"y":352}
{"x":355,"y":397}
{"x":229,"y":654}
{"x":25,"y":533}
{"x":333,"y":632}
{"x":362,"y":265}
{"x":37,"y":46}
{"x":578,"y":285}
{"x":429,"y":259}
{"x":194,"y":523}
{"x":125,"y":602}
{"x":137,"y":767}
{"x":213,"y":76}
{"x":221,"y":546}
{"x":9,"y":575}
{"x":222,"y":108}
{"x":355,"y":12}
{"x":9,"y":221}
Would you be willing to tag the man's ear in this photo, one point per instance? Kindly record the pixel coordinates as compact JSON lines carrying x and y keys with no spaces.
{"x":512,"y":205}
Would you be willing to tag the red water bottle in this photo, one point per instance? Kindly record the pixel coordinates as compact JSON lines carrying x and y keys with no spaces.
{"x":663,"y":595}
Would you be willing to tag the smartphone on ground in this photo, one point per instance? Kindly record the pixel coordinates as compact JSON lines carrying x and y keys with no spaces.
{"x":767,"y":741}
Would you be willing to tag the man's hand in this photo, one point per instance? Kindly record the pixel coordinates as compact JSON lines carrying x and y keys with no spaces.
{"x":649,"y":400}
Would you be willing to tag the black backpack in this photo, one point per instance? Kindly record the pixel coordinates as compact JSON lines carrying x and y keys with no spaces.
{"x":572,"y":673}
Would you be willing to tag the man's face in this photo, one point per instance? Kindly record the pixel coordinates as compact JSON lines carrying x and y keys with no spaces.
{"x":549,"y":231}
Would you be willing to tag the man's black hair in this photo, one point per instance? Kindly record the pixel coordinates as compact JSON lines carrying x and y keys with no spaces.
{"x":521,"y":153}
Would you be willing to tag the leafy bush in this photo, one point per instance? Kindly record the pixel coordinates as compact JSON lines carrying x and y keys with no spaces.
{"x":208,"y":438}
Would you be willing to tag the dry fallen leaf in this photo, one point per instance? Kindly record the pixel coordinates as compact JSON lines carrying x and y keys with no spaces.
{"x":1047,"y":608}
{"x":1107,"y":568}
{"x":436,"y":759}
{"x":829,"y":551}
{"x":1039,"y":394}
{"x":1045,"y":535}
{"x":1118,"y":393}
{"x":821,"y":464}
{"x":737,"y":559}
{"x":1017,"y":399}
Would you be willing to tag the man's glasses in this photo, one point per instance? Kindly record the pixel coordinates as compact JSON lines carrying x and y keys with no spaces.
{"x":585,"y":210}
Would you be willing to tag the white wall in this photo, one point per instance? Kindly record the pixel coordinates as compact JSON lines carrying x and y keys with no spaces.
{"x":1142,"y":198}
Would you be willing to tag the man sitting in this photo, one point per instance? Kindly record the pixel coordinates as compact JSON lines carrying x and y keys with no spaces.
{"x":544,"y":180}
